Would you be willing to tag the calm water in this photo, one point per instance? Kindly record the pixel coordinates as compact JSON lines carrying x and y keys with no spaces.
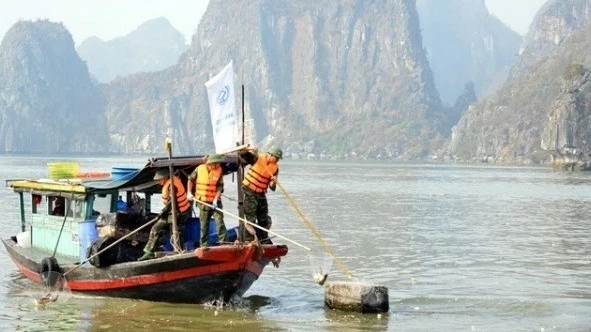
{"x":460,"y":248}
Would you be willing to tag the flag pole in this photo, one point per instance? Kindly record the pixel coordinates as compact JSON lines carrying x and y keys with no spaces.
{"x":224,"y":117}
{"x":242,"y":227}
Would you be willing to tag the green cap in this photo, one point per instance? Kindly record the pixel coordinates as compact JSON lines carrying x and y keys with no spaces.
{"x":161,"y":174}
{"x":214,"y":158}
{"x":276,"y":152}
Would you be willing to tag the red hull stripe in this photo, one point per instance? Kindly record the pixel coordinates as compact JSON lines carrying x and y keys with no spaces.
{"x":28,"y":273}
{"x":155,"y":278}
{"x":237,"y":265}
{"x":240,"y":262}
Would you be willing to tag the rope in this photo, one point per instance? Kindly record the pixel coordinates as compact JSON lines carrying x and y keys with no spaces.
{"x":231,"y":199}
{"x":254,"y":225}
{"x":313,"y":229}
{"x":326,"y":247}
{"x":114,"y":243}
{"x":66,"y":210}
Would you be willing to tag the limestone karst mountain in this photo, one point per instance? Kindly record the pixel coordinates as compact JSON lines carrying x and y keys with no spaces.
{"x":464,"y":42}
{"x":567,"y":131}
{"x":338,"y":78}
{"x":48,"y":102}
{"x":509,"y":125}
{"x":152,"y":46}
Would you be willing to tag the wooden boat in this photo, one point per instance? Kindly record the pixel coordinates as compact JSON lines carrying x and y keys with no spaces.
{"x":53,"y":242}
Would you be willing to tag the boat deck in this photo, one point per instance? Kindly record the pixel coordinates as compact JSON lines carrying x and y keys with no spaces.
{"x":36,"y":254}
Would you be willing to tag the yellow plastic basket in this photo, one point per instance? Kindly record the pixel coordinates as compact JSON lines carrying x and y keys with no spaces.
{"x":63,"y":170}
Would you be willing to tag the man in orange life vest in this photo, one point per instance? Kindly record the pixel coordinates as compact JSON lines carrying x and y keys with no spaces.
{"x":209,"y":178}
{"x":261,"y":175}
{"x":182,"y":204}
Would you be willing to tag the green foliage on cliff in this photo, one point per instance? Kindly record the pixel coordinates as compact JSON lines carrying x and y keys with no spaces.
{"x":573,"y":71}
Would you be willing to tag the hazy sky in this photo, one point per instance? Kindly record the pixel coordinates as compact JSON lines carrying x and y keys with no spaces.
{"x":517,"y":14}
{"x":108,"y":19}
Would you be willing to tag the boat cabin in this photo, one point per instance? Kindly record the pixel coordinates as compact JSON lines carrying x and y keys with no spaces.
{"x":68,"y":215}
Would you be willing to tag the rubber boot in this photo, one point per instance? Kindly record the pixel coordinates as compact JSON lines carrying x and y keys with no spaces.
{"x":147,"y":255}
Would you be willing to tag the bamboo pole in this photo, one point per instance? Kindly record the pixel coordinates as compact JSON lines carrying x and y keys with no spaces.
{"x":237,"y":148}
{"x":175,"y":233}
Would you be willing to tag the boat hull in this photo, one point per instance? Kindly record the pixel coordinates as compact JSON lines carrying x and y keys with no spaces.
{"x":196,"y":277}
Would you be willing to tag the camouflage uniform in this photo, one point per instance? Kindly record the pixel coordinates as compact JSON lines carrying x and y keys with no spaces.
{"x":205,"y":213}
{"x":166,"y":220}
{"x":160,"y":227}
{"x":256,"y":208}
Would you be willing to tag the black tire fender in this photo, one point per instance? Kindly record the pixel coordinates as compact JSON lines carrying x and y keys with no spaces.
{"x":49,"y":264}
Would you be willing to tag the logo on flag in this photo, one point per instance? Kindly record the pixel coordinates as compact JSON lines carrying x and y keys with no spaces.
{"x":224,"y":95}
{"x":222,"y":108}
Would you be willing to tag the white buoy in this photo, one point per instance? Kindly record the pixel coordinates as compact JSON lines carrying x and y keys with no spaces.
{"x":356,"y":296}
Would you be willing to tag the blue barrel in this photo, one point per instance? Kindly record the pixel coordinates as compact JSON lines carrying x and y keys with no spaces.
{"x":232,"y":234}
{"x":86,"y":233}
{"x":121,"y":205}
{"x":192,"y":234}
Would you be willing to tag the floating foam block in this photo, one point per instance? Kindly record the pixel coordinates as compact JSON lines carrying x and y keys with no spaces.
{"x":356,"y":296}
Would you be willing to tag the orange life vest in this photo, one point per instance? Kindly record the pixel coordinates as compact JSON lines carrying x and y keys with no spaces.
{"x":207,"y":181}
{"x":182,"y":204}
{"x":259,"y":175}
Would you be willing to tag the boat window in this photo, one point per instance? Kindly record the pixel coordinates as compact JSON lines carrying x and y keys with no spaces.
{"x":56,"y":206}
{"x":102,"y":204}
{"x":38,"y":204}
{"x":137,"y":203}
{"x":76,"y":210}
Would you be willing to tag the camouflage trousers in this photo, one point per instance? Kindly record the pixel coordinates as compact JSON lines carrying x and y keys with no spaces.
{"x":256,"y":211}
{"x":205,"y":213}
{"x":162,"y":225}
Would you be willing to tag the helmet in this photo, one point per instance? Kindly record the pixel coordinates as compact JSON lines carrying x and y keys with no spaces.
{"x":275,"y":151}
{"x":161,"y":174}
{"x":214,"y":158}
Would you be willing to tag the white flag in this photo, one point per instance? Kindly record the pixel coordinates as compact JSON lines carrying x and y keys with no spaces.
{"x":222,"y":106}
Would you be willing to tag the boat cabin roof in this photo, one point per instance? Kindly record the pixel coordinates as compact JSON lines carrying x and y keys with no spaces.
{"x":142,"y":181}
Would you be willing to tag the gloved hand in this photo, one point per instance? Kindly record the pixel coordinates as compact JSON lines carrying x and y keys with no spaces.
{"x":214,"y":205}
{"x":190,"y":197}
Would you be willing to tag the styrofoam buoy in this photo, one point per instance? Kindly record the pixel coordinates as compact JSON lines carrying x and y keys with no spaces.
{"x":355,"y":296}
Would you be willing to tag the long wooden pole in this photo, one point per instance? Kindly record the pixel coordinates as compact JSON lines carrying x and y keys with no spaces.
{"x":241,"y":228}
{"x":237,"y":148}
{"x":175,"y":232}
{"x":313,"y":229}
